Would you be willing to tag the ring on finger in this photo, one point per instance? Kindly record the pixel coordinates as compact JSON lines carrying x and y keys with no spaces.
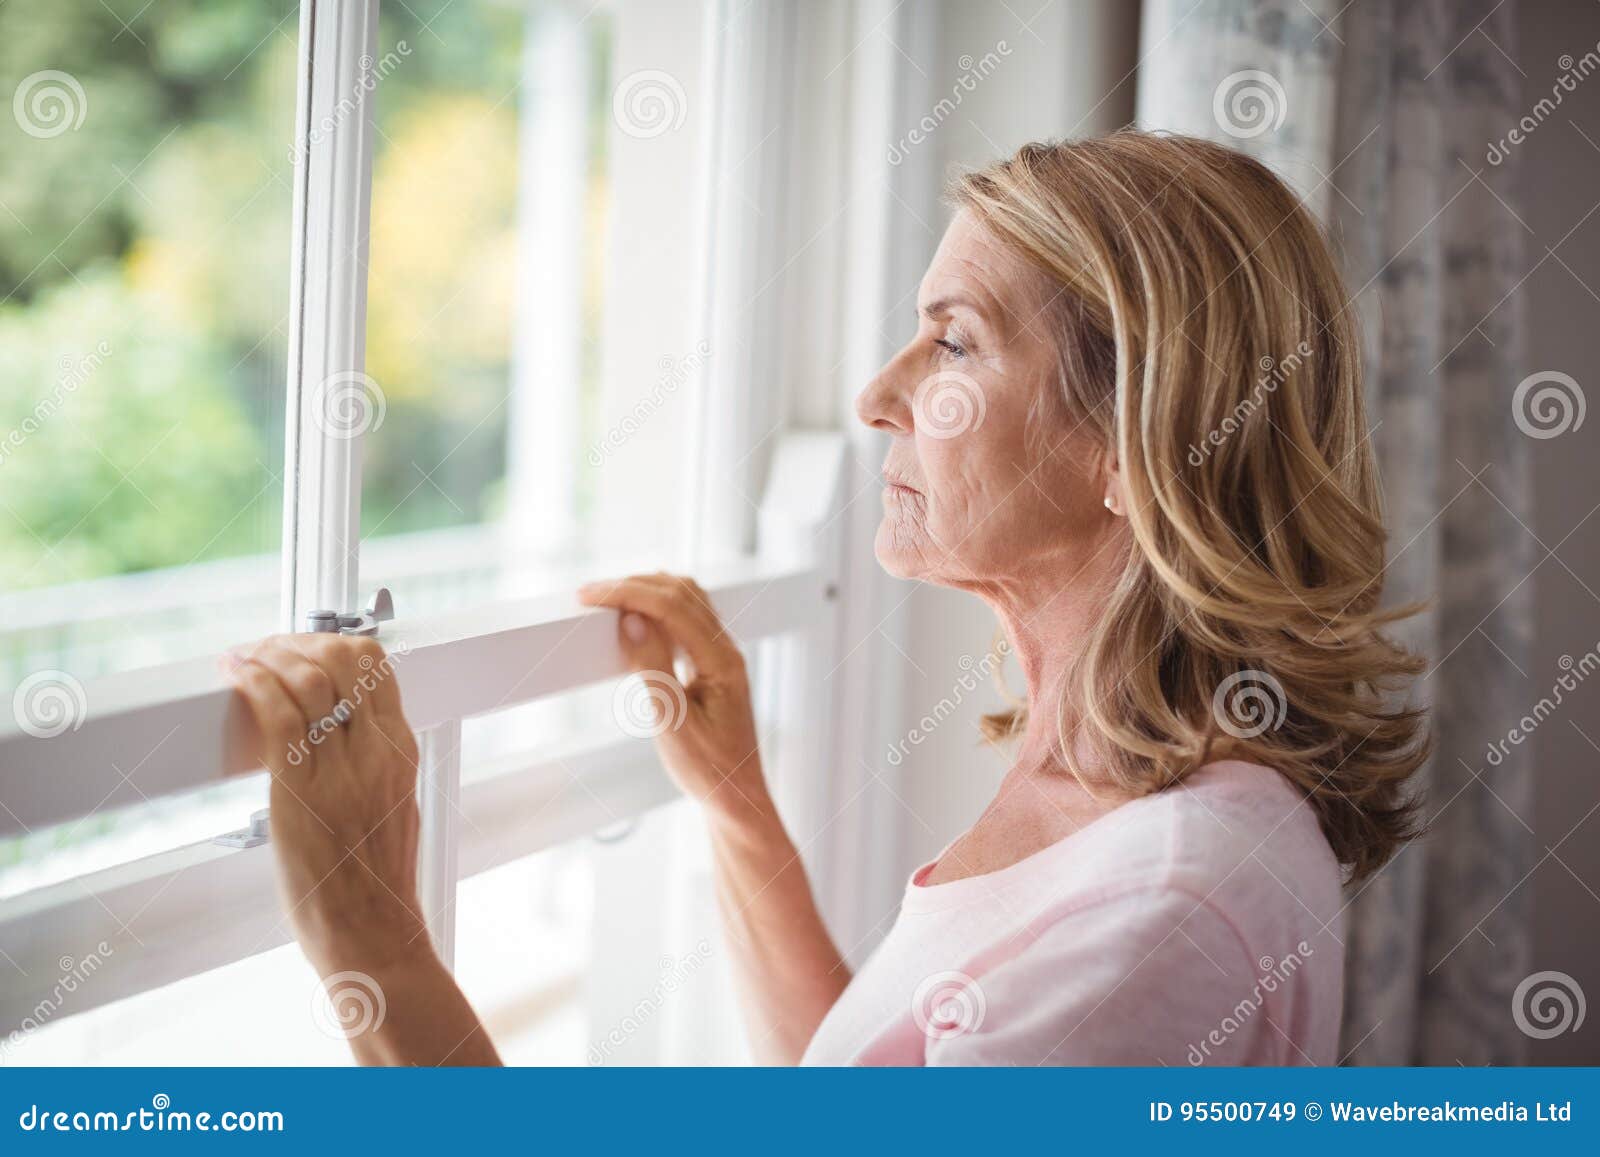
{"x":338,"y":717}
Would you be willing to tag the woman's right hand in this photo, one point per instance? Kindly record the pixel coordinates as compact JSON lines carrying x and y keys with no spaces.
{"x":704,"y":729}
{"x":790,"y":973}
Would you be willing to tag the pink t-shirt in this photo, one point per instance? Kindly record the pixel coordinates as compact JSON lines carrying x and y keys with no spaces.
{"x":1200,"y":925}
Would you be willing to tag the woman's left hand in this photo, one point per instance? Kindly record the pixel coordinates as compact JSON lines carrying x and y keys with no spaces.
{"x":344,"y":832}
{"x":343,"y":802}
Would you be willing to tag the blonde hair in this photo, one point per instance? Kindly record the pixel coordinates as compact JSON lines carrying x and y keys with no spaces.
{"x":1205,"y":340}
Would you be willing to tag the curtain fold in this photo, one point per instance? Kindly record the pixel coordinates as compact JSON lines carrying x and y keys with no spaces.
{"x":1379,"y":113}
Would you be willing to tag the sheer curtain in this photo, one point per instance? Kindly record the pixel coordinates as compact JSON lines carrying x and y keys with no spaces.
{"x":1379,"y":113}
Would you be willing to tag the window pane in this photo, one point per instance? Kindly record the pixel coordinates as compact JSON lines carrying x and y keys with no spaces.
{"x":145,"y":208}
{"x":524,"y":945}
{"x":146,"y":198}
{"x":530,"y":286}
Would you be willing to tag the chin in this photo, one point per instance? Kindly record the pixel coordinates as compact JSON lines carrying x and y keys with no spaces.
{"x":889,"y":554}
{"x":898,"y":554}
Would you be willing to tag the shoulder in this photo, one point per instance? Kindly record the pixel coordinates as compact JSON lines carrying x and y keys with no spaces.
{"x":1234,"y":843}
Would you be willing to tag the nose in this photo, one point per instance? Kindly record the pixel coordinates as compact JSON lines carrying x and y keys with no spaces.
{"x":885,"y":403}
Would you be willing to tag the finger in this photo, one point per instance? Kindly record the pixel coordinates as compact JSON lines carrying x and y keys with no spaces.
{"x":645,"y":646}
{"x":682,"y":610}
{"x":312,"y":687}
{"x":361,"y":671}
{"x":284,"y":749}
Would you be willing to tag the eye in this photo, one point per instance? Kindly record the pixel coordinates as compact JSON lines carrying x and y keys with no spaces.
{"x":954,"y":350}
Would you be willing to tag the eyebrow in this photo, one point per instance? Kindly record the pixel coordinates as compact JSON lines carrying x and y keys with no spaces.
{"x":946,"y":303}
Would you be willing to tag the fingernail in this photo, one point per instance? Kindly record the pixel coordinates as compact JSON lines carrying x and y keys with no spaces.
{"x":633,"y":627}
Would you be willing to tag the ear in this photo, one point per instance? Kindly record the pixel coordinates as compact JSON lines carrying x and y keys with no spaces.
{"x":1111,"y":482}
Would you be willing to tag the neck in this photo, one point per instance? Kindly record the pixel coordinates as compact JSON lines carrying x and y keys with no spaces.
{"x":1048,"y":625}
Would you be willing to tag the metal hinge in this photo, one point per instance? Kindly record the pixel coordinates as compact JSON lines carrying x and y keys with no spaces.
{"x":379,"y":610}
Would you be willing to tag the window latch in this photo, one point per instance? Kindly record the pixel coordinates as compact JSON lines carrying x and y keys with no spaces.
{"x":254,"y":836}
{"x":380,"y":609}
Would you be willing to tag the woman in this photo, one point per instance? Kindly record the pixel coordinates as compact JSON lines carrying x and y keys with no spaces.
{"x":1160,"y":480}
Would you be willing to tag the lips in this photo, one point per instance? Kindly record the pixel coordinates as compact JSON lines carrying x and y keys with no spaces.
{"x":897,"y":484}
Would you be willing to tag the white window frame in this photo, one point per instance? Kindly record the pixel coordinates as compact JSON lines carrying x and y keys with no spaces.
{"x":800,"y":572}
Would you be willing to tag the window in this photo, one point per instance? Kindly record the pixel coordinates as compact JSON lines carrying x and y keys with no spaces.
{"x":144,"y":320}
{"x":144,"y":295}
{"x":464,"y":299}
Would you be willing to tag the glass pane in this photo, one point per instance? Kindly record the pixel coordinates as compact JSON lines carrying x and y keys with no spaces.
{"x":524,"y":945}
{"x":508,"y":334}
{"x":145,"y":207}
{"x":204,"y":1020}
{"x":145,"y":216}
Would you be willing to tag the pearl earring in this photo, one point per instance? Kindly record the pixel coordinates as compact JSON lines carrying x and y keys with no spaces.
{"x":1110,"y":505}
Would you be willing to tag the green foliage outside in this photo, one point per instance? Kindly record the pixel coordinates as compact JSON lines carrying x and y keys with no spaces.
{"x":144,"y":289}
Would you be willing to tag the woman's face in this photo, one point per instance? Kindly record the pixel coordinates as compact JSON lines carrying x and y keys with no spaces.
{"x":986,"y":482}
